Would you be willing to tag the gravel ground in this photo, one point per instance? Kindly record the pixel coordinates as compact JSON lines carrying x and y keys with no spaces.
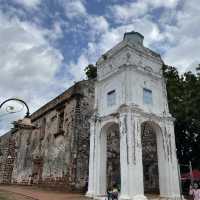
{"x":5,"y":195}
{"x":34,"y":193}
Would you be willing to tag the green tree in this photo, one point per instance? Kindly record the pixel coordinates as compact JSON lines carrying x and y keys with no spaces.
{"x":91,"y":71}
{"x":184,"y":100}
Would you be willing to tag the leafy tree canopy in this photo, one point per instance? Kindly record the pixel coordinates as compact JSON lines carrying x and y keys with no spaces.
{"x":91,"y":71}
{"x":184,"y":104}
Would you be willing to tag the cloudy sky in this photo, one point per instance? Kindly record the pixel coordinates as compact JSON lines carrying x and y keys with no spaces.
{"x":45,"y":44}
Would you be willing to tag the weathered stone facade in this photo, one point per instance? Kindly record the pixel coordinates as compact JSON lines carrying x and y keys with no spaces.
{"x":131,"y":132}
{"x":53,"y":150}
{"x":7,"y":156}
{"x":130,"y":94}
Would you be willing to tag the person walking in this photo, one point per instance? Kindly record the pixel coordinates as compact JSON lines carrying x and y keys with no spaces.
{"x":115,"y":193}
{"x":195,"y":191}
{"x":109,"y":194}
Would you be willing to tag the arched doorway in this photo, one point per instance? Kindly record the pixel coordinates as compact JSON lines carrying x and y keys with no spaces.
{"x":150,"y":158}
{"x":113,"y":156}
{"x":110,"y":156}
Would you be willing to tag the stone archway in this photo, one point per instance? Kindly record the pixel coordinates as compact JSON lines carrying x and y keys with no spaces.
{"x":150,"y":157}
{"x":110,"y":156}
{"x":113,"y":156}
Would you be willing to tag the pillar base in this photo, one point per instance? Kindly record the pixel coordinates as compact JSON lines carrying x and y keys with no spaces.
{"x":139,"y":197}
{"x":104,"y":197}
{"x":124,"y":197}
{"x":99,"y":197}
{"x":89,"y":194}
{"x":171,"y":198}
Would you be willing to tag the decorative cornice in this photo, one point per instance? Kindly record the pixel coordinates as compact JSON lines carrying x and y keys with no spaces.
{"x":138,"y":112}
{"x":97,"y":118}
{"x":124,"y":67}
{"x":151,"y":116}
{"x":108,"y":117}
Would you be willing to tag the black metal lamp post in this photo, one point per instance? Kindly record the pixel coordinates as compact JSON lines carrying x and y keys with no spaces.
{"x":10,"y":109}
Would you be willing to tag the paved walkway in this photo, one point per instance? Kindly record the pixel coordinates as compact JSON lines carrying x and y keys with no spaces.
{"x":40,"y":194}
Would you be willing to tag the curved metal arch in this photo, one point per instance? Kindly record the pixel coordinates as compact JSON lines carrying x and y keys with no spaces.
{"x":20,"y":100}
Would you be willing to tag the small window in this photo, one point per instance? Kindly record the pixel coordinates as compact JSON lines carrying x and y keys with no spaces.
{"x":111,"y":98}
{"x":60,"y":121}
{"x":43,"y":129}
{"x":147,"y":96}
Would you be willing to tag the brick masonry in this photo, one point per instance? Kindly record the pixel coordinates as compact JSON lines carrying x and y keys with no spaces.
{"x":53,"y":150}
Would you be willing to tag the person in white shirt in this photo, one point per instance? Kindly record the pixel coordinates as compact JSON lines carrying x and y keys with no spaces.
{"x":195,"y":191}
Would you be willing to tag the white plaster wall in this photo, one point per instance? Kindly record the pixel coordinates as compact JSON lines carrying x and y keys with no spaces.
{"x":136,"y":82}
{"x":116,"y":83}
{"x":129,"y":86}
{"x":126,"y":73}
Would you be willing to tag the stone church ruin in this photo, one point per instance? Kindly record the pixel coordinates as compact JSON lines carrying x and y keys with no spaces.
{"x":116,"y":129}
{"x":52,"y":150}
{"x":131,"y":101}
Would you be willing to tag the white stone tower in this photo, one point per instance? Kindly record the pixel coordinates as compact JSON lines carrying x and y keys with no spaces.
{"x":131,"y":100}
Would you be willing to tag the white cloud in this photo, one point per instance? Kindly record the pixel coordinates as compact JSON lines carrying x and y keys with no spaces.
{"x":111,"y":36}
{"x":185,"y":34}
{"x":56,"y":32}
{"x":25,"y":52}
{"x":98,"y":24}
{"x":103,"y":38}
{"x":161,"y":3}
{"x":132,"y":16}
{"x":77,"y":68}
{"x":74,"y":8}
{"x":185,"y":54}
{"x":176,"y":32}
{"x":128,"y":11}
{"x":29,"y":3}
{"x":28,"y":63}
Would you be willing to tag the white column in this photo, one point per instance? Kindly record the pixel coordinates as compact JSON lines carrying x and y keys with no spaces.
{"x":175,"y":191}
{"x":163,"y":163}
{"x":136,"y":185}
{"x":102,"y":163}
{"x":124,"y":157}
{"x":90,"y":191}
{"x":97,"y":162}
{"x":169,"y":182}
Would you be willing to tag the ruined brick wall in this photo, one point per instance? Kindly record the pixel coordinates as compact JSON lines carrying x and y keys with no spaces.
{"x":7,"y":157}
{"x":56,"y":145}
{"x":55,"y":150}
{"x":23,"y":161}
{"x":80,"y":137}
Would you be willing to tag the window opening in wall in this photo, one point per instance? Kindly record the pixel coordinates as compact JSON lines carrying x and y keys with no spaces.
{"x":147,"y":96}
{"x":60,"y":121}
{"x":43,"y":129}
{"x":111,"y":98}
